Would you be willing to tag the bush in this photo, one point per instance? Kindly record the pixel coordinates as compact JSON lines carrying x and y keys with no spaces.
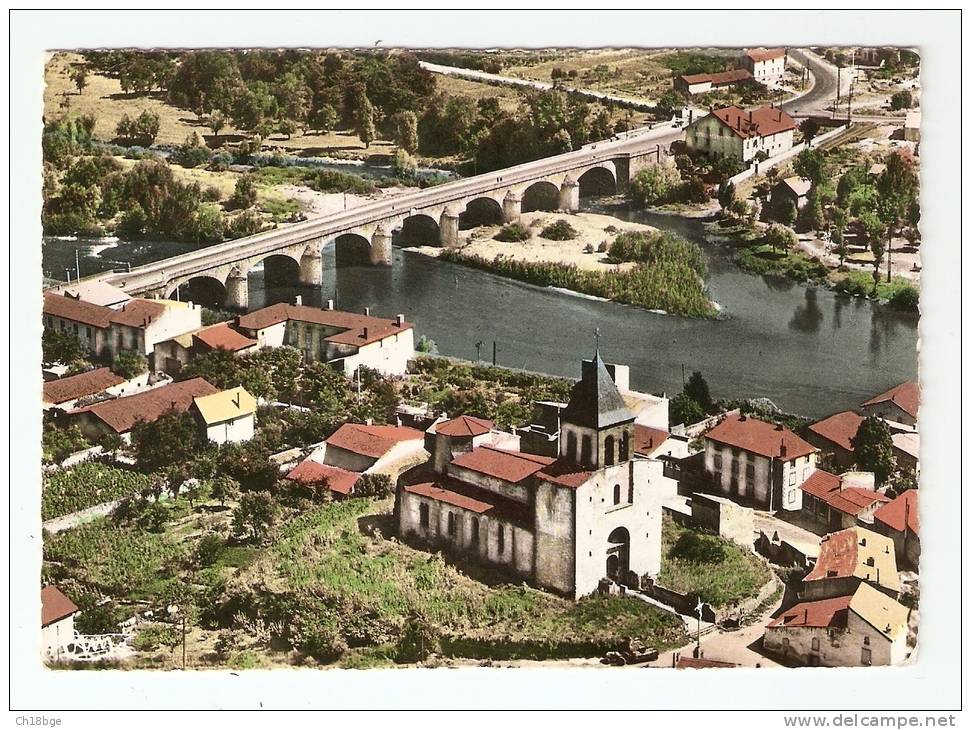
{"x":512,"y":233}
{"x":140,"y":131}
{"x":656,"y":185}
{"x":559,"y":231}
{"x":901,"y":100}
{"x":212,"y":194}
{"x":129,"y":364}
{"x":374,"y":485}
{"x":906,"y":298}
{"x":244,"y":195}
{"x":192,"y":153}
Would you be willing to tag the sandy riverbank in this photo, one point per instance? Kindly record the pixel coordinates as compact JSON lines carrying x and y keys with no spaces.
{"x":592,"y":229}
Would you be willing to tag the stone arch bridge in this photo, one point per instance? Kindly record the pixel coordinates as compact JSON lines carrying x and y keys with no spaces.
{"x":363,"y":235}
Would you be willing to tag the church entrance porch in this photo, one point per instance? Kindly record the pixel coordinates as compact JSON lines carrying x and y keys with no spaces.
{"x":618,"y":555}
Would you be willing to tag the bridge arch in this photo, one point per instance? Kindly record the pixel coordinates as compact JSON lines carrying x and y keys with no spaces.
{"x":597,"y":181}
{"x":208,"y":291}
{"x":352,"y":249}
{"x":541,"y":195}
{"x":484,"y":211}
{"x":419,"y":229}
{"x":280,"y":269}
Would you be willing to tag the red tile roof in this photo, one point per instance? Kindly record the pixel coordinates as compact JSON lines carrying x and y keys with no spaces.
{"x":510,"y":466}
{"x":851,"y":500}
{"x":351,"y":326}
{"x":761,"y":122}
{"x":464,"y":426}
{"x":373,"y":441}
{"x":717,"y":79}
{"x":906,"y":395}
{"x":223,"y":337}
{"x":856,"y":552}
{"x":565,"y":474}
{"x":75,"y":310}
{"x":900,"y":511}
{"x":839,"y":428}
{"x":121,"y":414}
{"x":137,"y":313}
{"x":433,"y":491}
{"x":687,"y":662}
{"x":648,"y":439}
{"x":54,"y":606}
{"x":759,"y":437}
{"x":827,"y":613}
{"x":765,"y":54}
{"x":78,"y":386}
{"x":338,"y":480}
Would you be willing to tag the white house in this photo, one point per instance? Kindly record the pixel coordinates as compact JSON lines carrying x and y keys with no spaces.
{"x":758,"y":463}
{"x":767,"y":65}
{"x":740,"y":134}
{"x":562,"y":522}
{"x":228,"y":416}
{"x":866,"y":628}
{"x":56,"y":622}
{"x":343,"y":339}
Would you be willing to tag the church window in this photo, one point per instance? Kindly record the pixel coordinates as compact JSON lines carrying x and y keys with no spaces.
{"x":475,"y":530}
{"x":609,"y":451}
{"x":625,"y":446}
{"x":630,"y":494}
{"x":616,"y":494}
{"x":717,"y":461}
{"x":586,"y":456}
{"x":451,"y":524}
{"x":571,"y":446}
{"x":502,"y":539}
{"x":423,"y":515}
{"x":815,"y":643}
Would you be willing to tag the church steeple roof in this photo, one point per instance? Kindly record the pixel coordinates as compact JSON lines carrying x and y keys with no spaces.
{"x":596,"y":402}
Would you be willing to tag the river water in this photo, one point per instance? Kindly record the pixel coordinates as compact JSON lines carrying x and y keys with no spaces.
{"x":808,"y":350}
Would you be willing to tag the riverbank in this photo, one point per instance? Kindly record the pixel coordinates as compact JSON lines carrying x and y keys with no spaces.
{"x":658,"y":272}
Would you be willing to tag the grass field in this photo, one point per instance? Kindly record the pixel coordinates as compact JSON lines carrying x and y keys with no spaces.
{"x":719,"y":571}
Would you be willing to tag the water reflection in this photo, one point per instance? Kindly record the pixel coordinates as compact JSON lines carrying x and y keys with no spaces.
{"x":807,"y":317}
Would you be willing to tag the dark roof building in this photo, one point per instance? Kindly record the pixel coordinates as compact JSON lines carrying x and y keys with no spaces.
{"x":759,"y":437}
{"x":595,"y":401}
{"x":77,"y":386}
{"x":120,"y":414}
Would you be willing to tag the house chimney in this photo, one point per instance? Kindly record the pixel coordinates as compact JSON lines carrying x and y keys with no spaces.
{"x":298,"y":300}
{"x":399,"y":320}
{"x":780,"y":114}
{"x":367,"y":311}
{"x":782,"y":449}
{"x":779,"y":427}
{"x":364,"y":335}
{"x":749,"y":116}
{"x":330,"y":304}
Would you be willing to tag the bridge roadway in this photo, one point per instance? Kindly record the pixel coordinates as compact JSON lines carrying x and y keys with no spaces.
{"x":229,"y":262}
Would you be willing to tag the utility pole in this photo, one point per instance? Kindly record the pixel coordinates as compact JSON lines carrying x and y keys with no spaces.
{"x":183,"y":640}
{"x":478,"y":351}
{"x":683,"y":381}
{"x":698,"y":610}
{"x":493,"y":353}
{"x":77,"y":264}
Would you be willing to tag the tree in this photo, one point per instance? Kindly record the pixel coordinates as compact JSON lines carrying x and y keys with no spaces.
{"x":324,"y":119}
{"x":374,"y":485}
{"x":287,"y":126}
{"x":669,"y":102}
{"x":244,"y":194}
{"x":225,"y":489}
{"x":171,"y":438}
{"x":129,"y":363}
{"x":838,"y":219}
{"x":901,"y":100}
{"x":683,"y":409}
{"x":779,"y":237}
{"x":655,"y":185}
{"x":141,"y":131}
{"x":255,"y":516}
{"x":364,"y":121}
{"x":61,"y":347}
{"x":809,"y":128}
{"x":898,"y":188}
{"x":216,"y":122}
{"x":810,"y":164}
{"x":79,"y":75}
{"x":873,"y":446}
{"x":726,"y":194}
{"x":406,"y":131}
{"x":697,"y":389}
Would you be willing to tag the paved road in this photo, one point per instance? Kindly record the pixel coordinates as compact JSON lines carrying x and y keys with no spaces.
{"x":824,"y":88}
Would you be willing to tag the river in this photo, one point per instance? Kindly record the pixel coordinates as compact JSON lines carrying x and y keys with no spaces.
{"x":808,"y":350}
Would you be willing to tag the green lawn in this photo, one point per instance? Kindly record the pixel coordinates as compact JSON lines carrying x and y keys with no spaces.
{"x":717,"y":570}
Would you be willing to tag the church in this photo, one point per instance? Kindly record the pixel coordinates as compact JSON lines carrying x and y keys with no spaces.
{"x":561,"y":521}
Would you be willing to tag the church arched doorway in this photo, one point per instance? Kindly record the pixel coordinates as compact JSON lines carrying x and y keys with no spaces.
{"x":618,"y":555}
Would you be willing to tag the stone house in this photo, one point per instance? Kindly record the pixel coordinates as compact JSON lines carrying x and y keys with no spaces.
{"x":758,"y":463}
{"x":360,"y":447}
{"x":724,"y":518}
{"x":899,"y":405}
{"x":136,"y":324}
{"x":119,"y":415}
{"x":767,"y":65}
{"x":834,"y":435}
{"x":741,"y":135}
{"x":691,"y":84}
{"x":228,"y":416}
{"x":899,"y":520}
{"x":837,"y":502}
{"x":342,"y":339}
{"x":793,"y":189}
{"x":865,"y":628}
{"x":848,"y":558}
{"x":56,"y":622}
{"x":64,"y":393}
{"x":561,"y":522}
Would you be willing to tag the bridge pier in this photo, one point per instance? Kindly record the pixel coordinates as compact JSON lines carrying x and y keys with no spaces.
{"x":237,"y":292}
{"x":381,"y":247}
{"x":311,"y":269}
{"x":512,"y":207}
{"x":448,"y":226}
{"x":570,"y":195}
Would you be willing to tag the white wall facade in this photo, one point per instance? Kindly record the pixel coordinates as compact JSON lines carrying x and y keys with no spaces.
{"x":56,"y":636}
{"x":749,"y":477}
{"x":858,"y":645}
{"x":235,"y":430}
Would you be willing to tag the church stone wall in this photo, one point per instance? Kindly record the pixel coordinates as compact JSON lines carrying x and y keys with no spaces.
{"x":554,"y":526}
